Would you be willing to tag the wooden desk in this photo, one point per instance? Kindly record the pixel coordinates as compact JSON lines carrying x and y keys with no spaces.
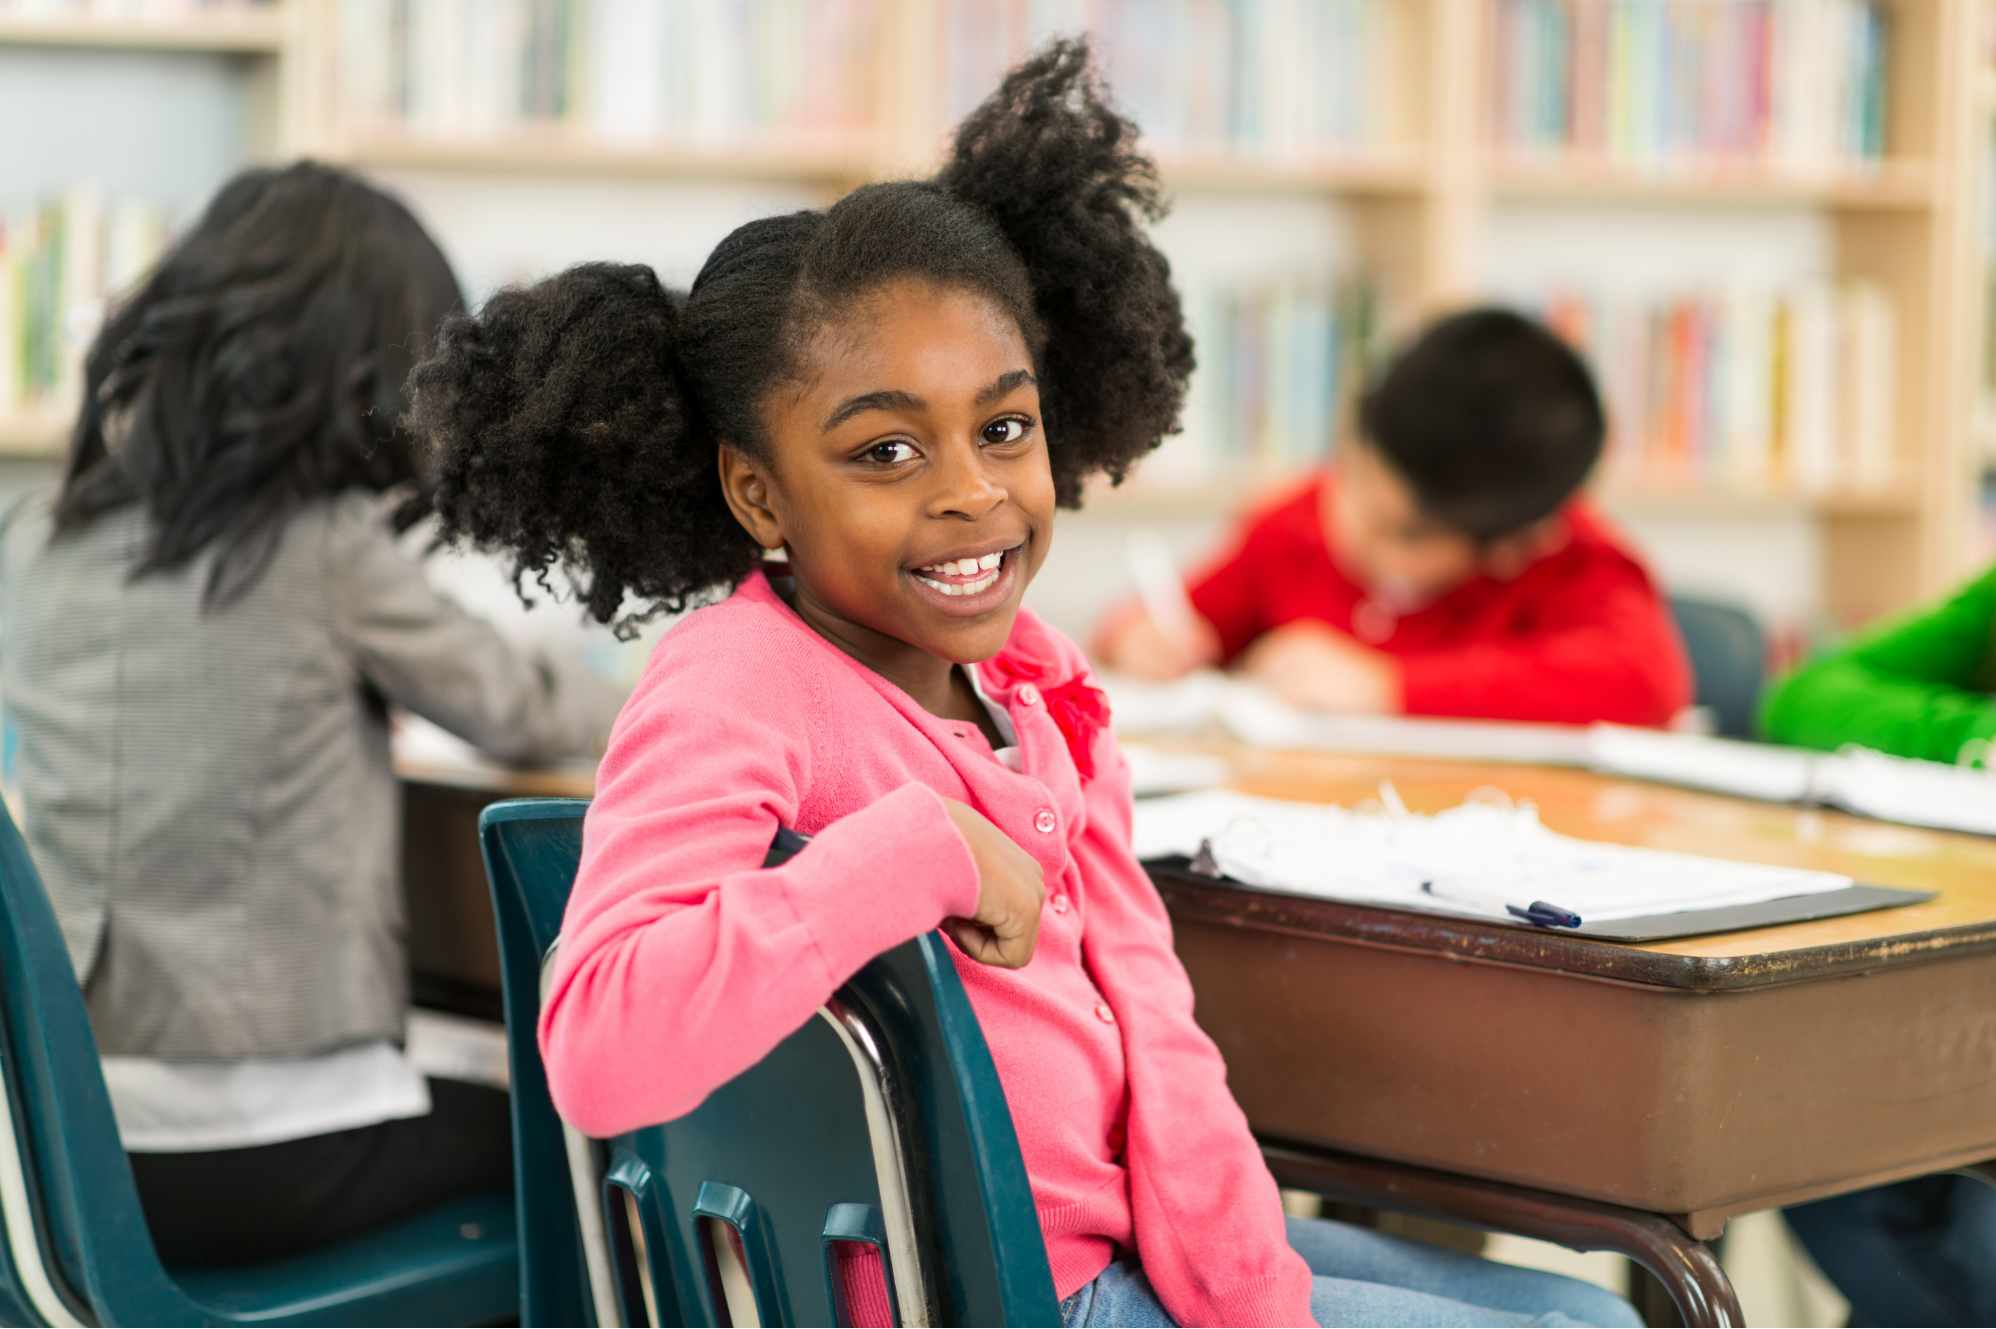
{"x":1698,"y":1078}
{"x":453,"y":943}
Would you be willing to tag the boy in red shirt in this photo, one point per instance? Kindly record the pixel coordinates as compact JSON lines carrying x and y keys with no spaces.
{"x":1442,"y":565}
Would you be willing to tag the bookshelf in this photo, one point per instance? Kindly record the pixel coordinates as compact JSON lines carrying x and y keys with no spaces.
{"x":1417,"y":190}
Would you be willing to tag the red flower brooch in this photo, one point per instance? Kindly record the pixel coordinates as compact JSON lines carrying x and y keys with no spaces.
{"x":1080,"y":712}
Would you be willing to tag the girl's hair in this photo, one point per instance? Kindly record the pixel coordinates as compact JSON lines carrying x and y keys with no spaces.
{"x":259,"y":367}
{"x":577,"y":421}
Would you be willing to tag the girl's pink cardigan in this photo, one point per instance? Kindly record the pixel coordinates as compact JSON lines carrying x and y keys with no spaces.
{"x":683,"y":961}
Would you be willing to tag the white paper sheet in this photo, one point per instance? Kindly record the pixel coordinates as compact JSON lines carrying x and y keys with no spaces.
{"x":1472,"y":860}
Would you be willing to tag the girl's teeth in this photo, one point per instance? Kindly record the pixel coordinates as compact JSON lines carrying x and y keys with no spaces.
{"x":960,"y":588}
{"x":963,"y":567}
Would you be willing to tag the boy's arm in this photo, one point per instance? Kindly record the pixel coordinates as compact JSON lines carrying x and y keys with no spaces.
{"x":1918,"y":687}
{"x":682,"y":961}
{"x":1603,"y":648}
{"x":1209,"y":1222}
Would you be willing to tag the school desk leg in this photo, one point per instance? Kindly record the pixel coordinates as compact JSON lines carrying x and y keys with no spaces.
{"x":1684,"y":1265}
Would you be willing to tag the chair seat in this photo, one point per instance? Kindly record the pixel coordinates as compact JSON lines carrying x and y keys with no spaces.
{"x":455,"y":1263}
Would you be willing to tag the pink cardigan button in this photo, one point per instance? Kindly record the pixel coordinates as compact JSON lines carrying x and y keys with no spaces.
{"x":1044,"y":822}
{"x":1103,"y":1013}
{"x":1028,"y":695}
{"x":1060,"y":904}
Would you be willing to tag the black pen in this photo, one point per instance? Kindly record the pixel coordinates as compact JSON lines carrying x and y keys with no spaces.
{"x":1538,"y":912}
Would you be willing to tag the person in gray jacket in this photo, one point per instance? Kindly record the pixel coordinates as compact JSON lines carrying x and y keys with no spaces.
{"x":201,"y":634}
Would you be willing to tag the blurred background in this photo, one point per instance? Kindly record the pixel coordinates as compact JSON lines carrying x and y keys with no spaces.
{"x":1764,"y":221}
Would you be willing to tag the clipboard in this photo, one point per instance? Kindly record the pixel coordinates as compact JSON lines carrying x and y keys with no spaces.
{"x":1857,"y":899}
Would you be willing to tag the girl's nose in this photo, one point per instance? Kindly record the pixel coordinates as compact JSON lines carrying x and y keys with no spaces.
{"x":966,"y":487}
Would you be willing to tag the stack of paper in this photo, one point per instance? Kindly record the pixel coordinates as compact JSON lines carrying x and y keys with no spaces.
{"x":1473,"y":860}
{"x":1917,"y":793}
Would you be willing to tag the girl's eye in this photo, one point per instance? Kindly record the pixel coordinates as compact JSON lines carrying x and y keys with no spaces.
{"x":890,"y":452}
{"x":1009,"y":430}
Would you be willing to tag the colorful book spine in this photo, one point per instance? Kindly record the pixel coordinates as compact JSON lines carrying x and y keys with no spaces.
{"x":59,"y":266}
{"x":1754,"y":392}
{"x":1676,"y":86}
{"x":1277,"y":365}
{"x":711,"y":74}
{"x":111,"y":11}
{"x":1281,"y":79}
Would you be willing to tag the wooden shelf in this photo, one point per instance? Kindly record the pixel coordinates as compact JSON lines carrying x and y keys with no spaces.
{"x":249,"y":31}
{"x":562,"y":152}
{"x":33,"y":435}
{"x":1141,"y":499}
{"x":1396,"y":173}
{"x":1892,"y":185}
{"x":1888,"y":501}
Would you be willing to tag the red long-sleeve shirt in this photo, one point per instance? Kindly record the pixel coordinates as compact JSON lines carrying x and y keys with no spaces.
{"x":1581,"y":635}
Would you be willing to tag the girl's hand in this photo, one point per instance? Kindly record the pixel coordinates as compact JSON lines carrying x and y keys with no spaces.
{"x":1011,"y":888}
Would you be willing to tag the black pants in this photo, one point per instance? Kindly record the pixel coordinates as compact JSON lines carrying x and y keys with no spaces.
{"x":235,"y":1205}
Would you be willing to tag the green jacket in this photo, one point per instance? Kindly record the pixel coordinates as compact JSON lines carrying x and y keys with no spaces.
{"x":1918,"y":686}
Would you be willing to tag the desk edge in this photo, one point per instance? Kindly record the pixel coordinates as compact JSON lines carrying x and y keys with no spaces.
{"x":1193,"y":898}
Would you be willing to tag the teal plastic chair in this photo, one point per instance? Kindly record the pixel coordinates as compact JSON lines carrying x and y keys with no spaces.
{"x":866,"y":1169}
{"x":1728,"y":660}
{"x":76,"y":1248}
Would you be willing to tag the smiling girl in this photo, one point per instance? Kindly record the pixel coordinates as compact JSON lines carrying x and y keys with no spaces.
{"x":897,"y":392}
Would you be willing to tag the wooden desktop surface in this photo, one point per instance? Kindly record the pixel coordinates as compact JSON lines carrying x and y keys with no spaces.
{"x":1699,"y":1077}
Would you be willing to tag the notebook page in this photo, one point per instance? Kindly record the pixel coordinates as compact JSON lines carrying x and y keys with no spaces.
{"x":1918,"y":793}
{"x":1257,"y":716}
{"x":1723,"y":765}
{"x":1473,"y":859}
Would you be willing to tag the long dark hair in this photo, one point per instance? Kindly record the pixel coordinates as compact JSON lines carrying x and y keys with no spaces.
{"x":577,"y":420}
{"x":259,"y":367}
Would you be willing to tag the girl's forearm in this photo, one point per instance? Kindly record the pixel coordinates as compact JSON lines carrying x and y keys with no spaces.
{"x":721,"y":971}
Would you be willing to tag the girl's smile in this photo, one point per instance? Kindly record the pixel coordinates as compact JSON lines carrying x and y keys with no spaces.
{"x":970,"y":582}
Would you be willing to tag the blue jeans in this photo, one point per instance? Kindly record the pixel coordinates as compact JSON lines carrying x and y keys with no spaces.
{"x":1914,"y":1252}
{"x":1375,"y":1278}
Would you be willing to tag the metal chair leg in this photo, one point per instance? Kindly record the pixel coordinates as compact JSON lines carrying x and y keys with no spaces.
{"x":1681,"y":1263}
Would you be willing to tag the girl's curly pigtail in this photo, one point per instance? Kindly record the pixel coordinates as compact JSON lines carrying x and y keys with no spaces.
{"x":564,"y":433}
{"x":1060,"y":172}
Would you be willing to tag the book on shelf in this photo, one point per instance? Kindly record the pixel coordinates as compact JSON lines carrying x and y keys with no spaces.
{"x":1751,"y":391}
{"x":1290,"y":80}
{"x":1670,"y":86}
{"x":711,"y":74}
{"x":1277,"y":366}
{"x":119,"y":11}
{"x":58,"y":265}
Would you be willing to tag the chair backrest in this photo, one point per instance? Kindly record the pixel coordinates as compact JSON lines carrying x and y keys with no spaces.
{"x":873,"y":1143}
{"x":1728,"y":660}
{"x":76,"y":1236}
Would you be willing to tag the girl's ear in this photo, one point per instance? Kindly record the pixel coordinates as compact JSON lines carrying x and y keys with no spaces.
{"x":746,"y":485}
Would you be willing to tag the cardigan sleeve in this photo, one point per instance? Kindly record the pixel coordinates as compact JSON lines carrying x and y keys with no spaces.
{"x":1209,"y":1223}
{"x":1916,"y":687}
{"x":677,"y":940}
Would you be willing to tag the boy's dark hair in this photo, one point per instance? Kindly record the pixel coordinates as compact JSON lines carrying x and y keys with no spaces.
{"x":1491,"y":419}
{"x":260,"y":366}
{"x":578,"y":420}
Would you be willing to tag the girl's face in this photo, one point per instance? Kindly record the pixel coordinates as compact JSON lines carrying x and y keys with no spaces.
{"x":908,"y":479}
